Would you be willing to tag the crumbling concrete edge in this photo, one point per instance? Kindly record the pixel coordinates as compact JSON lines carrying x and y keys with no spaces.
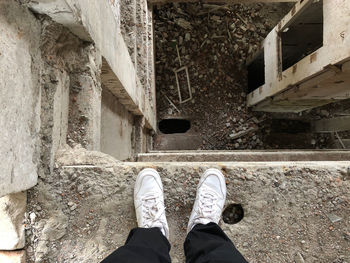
{"x":310,"y":164}
{"x":220,"y":1}
{"x":85,"y":19}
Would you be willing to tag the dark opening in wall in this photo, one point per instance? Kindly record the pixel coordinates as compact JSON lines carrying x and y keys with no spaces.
{"x":256,"y":72}
{"x":303,"y":36}
{"x":233,"y":214}
{"x":290,"y":126}
{"x":170,"y":126}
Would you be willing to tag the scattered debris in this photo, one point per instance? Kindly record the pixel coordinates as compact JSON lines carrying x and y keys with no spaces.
{"x":214,"y":42}
{"x":171,"y":103}
{"x":298,"y":258}
{"x":340,"y":140}
{"x":183,"y":23}
{"x":334,"y":218}
{"x":180,"y":82}
{"x":234,"y":136}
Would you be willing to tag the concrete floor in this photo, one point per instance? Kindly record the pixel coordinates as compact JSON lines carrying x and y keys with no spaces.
{"x":86,"y":210}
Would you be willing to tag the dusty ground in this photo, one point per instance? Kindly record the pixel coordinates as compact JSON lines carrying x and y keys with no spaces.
{"x":214,"y":42}
{"x":294,"y":212}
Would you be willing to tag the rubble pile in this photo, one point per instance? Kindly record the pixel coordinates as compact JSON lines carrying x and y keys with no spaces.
{"x":213,"y":41}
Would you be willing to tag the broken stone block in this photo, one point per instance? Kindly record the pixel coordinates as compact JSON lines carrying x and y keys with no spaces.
{"x":20,"y":115}
{"x":12,"y":209}
{"x":13,"y":256}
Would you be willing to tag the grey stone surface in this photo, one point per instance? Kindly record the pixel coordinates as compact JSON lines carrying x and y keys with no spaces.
{"x":13,"y":256}
{"x":12,"y":209}
{"x":298,"y":258}
{"x":19,"y":97}
{"x":285,"y":204}
{"x":85,"y":101}
{"x":116,"y":127}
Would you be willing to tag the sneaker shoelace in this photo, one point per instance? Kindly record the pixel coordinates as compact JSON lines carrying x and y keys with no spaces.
{"x":153,"y":209}
{"x":208,"y":209}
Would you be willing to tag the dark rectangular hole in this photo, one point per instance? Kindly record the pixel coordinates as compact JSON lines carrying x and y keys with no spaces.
{"x":170,"y":126}
{"x":256,"y":72}
{"x":290,"y":126}
{"x":303,"y":36}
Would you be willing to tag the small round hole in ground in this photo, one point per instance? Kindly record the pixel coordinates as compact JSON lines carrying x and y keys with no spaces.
{"x":169,"y":126}
{"x":233,"y":214}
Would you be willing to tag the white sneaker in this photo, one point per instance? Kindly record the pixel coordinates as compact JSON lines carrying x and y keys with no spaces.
{"x":210,"y":199}
{"x":149,"y":201}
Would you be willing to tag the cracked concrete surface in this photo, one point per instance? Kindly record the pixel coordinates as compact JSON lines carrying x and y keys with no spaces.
{"x":289,"y":208}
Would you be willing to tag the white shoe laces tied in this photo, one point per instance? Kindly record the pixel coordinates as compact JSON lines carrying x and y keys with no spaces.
{"x":153,"y":210}
{"x":208,"y":209}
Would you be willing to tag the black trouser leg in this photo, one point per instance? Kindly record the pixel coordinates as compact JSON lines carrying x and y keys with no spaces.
{"x":144,"y":245}
{"x":209,"y":244}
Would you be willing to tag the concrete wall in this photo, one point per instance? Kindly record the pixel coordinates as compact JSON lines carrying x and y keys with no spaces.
{"x":87,"y":20}
{"x":116,"y":127}
{"x":19,"y":97}
{"x":50,"y":87}
{"x":54,"y":114}
{"x":71,"y":93}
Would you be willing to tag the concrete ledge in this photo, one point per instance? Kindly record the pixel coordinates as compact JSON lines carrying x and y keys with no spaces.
{"x":219,"y":1}
{"x":286,"y":207}
{"x":244,"y":156}
{"x":336,"y":124}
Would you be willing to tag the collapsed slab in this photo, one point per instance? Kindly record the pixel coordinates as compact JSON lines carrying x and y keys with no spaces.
{"x":289,"y":208}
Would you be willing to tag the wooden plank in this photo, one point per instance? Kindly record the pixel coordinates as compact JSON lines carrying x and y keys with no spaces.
{"x":338,"y":124}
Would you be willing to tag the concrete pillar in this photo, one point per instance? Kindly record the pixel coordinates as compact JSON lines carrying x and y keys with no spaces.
{"x":12,"y":209}
{"x":85,"y":101}
{"x":85,"y":114}
{"x":139,"y":138}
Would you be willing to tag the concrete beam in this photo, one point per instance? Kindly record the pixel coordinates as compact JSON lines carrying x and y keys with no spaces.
{"x":243,"y":156}
{"x":86,"y":19}
{"x":219,"y":1}
{"x":62,"y":13}
{"x":317,"y":79}
{"x":331,"y":125}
